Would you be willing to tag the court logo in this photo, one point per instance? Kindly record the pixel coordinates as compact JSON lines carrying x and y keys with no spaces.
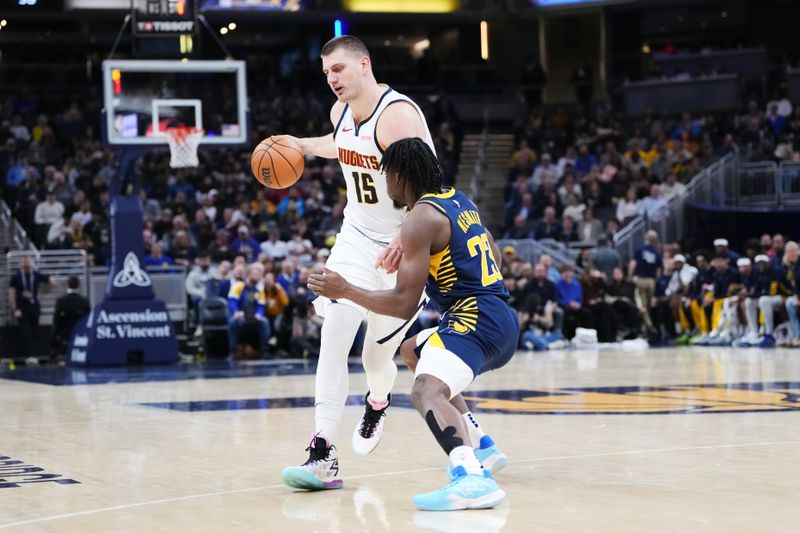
{"x":671,"y":399}
{"x":132,"y":273}
{"x":15,"y":473}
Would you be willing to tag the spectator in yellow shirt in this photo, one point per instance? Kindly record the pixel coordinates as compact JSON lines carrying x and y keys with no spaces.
{"x":275,"y":298}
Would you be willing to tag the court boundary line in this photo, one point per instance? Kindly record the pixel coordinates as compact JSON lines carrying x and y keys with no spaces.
{"x":382,"y":474}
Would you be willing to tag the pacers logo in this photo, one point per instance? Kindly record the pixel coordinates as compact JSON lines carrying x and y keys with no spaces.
{"x":675,"y":399}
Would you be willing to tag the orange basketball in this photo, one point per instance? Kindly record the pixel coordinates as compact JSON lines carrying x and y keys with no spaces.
{"x":277,"y":162}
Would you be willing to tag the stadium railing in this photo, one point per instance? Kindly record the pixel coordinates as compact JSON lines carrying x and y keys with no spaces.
{"x":530,"y":250}
{"x":12,"y":236}
{"x":756,"y":185}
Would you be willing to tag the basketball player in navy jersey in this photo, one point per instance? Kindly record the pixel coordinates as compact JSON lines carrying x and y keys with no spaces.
{"x":367,"y":118}
{"x":448,"y":251}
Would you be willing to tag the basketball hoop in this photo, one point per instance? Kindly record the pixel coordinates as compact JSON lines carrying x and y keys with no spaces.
{"x":183,"y":142}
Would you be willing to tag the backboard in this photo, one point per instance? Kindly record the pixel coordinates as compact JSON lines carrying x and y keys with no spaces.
{"x":142,"y":98}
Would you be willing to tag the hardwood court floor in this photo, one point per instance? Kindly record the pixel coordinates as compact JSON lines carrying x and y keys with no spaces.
{"x":698,"y":439}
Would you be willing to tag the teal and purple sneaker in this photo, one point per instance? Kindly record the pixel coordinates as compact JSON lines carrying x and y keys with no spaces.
{"x":319,"y":472}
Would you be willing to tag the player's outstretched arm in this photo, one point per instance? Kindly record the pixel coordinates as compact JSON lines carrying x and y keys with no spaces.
{"x":321,"y":146}
{"x":316,"y":146}
{"x":403,"y":300}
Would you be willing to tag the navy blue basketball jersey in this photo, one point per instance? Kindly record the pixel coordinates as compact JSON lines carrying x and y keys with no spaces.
{"x":466,"y":267}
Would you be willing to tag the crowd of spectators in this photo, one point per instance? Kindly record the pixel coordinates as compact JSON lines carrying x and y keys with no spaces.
{"x":713,"y":296}
{"x":574,"y":176}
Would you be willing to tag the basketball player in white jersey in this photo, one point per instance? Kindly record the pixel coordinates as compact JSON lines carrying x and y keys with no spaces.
{"x":367,"y":118}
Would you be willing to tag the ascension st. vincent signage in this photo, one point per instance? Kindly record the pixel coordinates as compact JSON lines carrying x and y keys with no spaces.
{"x":130,"y":326}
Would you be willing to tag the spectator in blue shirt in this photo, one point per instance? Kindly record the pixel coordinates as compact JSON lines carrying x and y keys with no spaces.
{"x":181,"y":185}
{"x":292,"y":200}
{"x":246,"y":303}
{"x":21,"y":172}
{"x":289,"y":276}
{"x":645,"y":268}
{"x":570,"y":298}
{"x":776,"y":120}
{"x":245,"y":245}
{"x":156,"y":258}
{"x":224,"y":287}
{"x":585,"y":160}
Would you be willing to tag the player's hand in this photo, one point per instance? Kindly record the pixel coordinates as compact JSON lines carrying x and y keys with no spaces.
{"x":328,"y":284}
{"x":299,"y":142}
{"x":17,"y":313}
{"x":238,"y":315}
{"x":389,"y":258}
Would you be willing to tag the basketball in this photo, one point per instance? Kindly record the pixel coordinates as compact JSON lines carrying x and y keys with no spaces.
{"x":277,"y":162}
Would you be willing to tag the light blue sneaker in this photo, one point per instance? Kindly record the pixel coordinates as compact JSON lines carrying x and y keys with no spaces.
{"x":467,"y":491}
{"x":490,"y":455}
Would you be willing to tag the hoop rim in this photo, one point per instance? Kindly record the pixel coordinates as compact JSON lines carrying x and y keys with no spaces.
{"x":181,"y":134}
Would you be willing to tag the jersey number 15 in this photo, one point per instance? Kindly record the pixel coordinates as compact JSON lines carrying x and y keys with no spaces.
{"x":479,"y":245}
{"x":365,"y":188}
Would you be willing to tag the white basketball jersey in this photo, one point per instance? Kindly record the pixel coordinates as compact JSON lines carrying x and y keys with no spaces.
{"x":369,"y":208}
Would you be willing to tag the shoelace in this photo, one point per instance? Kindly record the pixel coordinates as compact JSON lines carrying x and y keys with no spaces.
{"x":316,"y":455}
{"x":371,"y":419}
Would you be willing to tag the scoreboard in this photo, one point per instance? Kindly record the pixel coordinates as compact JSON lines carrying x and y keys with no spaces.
{"x":259,"y":5}
{"x":163,"y":18}
{"x":574,"y":3}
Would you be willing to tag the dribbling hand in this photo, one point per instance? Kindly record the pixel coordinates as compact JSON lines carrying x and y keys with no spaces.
{"x":299,"y":142}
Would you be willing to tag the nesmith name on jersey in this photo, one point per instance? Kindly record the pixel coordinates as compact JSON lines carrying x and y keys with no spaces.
{"x":467,"y":219}
{"x":353,"y":158}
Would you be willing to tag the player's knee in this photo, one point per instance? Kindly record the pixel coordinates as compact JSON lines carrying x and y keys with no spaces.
{"x":419,"y":394}
{"x":426,"y":389}
{"x":408,"y":354}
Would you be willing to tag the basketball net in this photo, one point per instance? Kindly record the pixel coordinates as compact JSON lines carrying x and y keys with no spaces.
{"x":183,"y":142}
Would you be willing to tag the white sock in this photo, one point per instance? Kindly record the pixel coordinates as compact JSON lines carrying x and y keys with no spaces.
{"x":338,"y":331}
{"x":465,"y":456}
{"x":474,"y":429}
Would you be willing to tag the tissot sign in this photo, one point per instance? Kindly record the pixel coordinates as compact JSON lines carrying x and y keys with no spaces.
{"x":162,"y":18}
